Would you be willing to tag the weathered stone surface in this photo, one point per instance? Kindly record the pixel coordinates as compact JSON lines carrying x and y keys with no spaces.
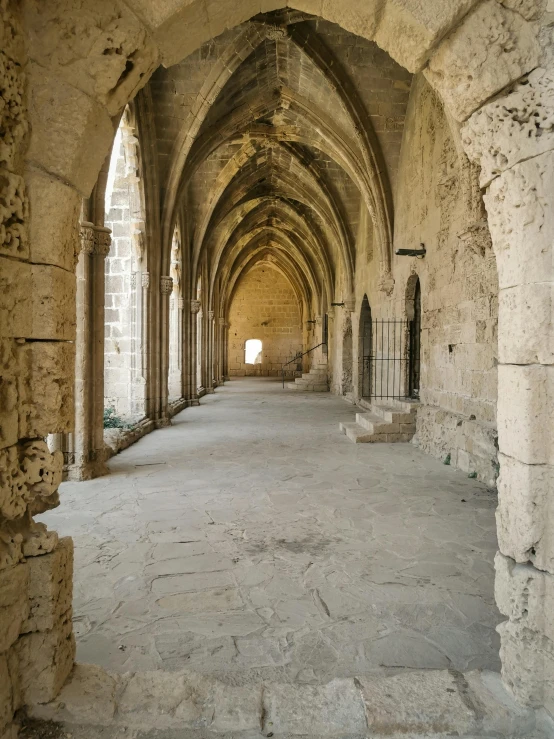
{"x":525,"y":595}
{"x":518,"y":343}
{"x":519,"y":213}
{"x":333,"y":709}
{"x":45,"y":388}
{"x":30,"y":476}
{"x":430,"y":703}
{"x":236,"y":709}
{"x":14,"y":606}
{"x":495,"y":707}
{"x":88,"y":697}
{"x":524,"y":514}
{"x":53,"y":234}
{"x":9,"y":411}
{"x":106,"y":52}
{"x":516,"y":127}
{"x":50,"y":587}
{"x":177,"y":700}
{"x":53,"y":303}
{"x":525,"y":405}
{"x":408,"y":31}
{"x":15,"y":291}
{"x":46,"y":660}
{"x":491,"y":48}
{"x":71,"y":133}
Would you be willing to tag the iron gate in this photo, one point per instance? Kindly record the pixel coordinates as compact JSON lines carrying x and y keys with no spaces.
{"x":387,"y":358}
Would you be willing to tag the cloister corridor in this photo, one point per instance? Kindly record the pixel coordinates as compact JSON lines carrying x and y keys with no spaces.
{"x":252,"y":540}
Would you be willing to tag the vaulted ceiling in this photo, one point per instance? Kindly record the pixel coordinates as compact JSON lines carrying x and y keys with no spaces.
{"x":272,"y":139}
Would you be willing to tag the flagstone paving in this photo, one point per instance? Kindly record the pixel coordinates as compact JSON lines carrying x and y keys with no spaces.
{"x":252,"y":540}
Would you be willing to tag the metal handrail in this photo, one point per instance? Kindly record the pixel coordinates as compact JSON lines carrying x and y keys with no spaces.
{"x":297,"y":357}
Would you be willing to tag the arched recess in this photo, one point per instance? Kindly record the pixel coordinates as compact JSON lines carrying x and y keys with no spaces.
{"x":414,"y":315}
{"x":264,"y":305}
{"x":365,"y":349}
{"x":460,"y":48}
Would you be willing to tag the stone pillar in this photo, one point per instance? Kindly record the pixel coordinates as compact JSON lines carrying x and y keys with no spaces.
{"x":88,"y":438}
{"x":225,"y":349}
{"x":166,"y":288}
{"x":195,"y":307}
{"x":513,"y":140}
{"x":210,"y":352}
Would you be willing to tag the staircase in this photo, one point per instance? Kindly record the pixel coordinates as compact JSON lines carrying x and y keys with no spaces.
{"x":315,"y":381}
{"x":387,"y":421}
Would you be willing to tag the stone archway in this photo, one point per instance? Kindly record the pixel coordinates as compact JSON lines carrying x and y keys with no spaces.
{"x":470,"y":52}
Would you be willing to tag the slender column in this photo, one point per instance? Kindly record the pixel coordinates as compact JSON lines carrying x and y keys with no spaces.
{"x":87,"y":452}
{"x":225,"y":344}
{"x":195,"y":306}
{"x":210,"y":352}
{"x":166,"y":288}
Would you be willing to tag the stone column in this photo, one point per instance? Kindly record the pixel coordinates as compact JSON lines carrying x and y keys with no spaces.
{"x":220,"y":350}
{"x":88,"y":439}
{"x":513,"y":140}
{"x":210,"y":352}
{"x":166,"y":288}
{"x":195,"y":306}
{"x":225,"y":350}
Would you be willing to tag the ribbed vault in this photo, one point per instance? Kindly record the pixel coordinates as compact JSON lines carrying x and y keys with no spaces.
{"x":278,"y":156}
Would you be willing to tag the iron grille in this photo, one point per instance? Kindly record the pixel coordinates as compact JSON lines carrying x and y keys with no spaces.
{"x":386,"y":359}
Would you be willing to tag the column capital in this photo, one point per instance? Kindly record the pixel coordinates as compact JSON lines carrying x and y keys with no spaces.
{"x":94,"y":239}
{"x":195,"y":306}
{"x":211,"y":314}
{"x":166,"y":284}
{"x":103,"y":240}
{"x":221,"y":321}
{"x":145,"y":280}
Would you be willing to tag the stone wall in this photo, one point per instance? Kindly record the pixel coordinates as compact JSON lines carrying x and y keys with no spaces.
{"x":439,"y":204}
{"x":264,"y":307}
{"x":37,"y":327}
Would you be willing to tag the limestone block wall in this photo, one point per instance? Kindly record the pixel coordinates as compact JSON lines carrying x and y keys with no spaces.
{"x":37,"y":329}
{"x":439,"y":204}
{"x":264,"y":307}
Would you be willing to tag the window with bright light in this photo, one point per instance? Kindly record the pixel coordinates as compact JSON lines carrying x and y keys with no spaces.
{"x":253,"y":351}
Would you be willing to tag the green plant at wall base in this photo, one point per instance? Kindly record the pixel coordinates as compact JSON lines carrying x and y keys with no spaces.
{"x":111,"y":421}
{"x":447,"y":459}
{"x":472,"y":475}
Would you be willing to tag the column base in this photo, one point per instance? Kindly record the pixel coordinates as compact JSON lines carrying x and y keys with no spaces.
{"x":88,"y":470}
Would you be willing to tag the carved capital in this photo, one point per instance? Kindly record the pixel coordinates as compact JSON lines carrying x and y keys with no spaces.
{"x":221,"y":321}
{"x":386,"y":283}
{"x":211,"y":314}
{"x":181,"y":303}
{"x":350,"y":305}
{"x":134,"y":281}
{"x":166,"y":284}
{"x":87,"y":236}
{"x":145,"y":280}
{"x":103,"y":241}
{"x":195,"y":306}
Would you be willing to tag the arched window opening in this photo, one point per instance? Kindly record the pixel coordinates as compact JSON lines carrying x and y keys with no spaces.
{"x":253,"y":351}
{"x":124,"y":386}
{"x":175,"y":322}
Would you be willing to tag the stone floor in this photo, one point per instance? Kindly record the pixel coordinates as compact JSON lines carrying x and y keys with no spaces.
{"x":251,"y":539}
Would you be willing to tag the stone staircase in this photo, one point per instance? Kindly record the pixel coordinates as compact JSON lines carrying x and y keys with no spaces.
{"x":315,"y":381}
{"x":386,"y":421}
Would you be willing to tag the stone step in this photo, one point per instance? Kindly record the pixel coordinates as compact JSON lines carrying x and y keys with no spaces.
{"x":414,"y":703}
{"x":315,"y":387}
{"x":392,"y":414}
{"x":360,"y":435}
